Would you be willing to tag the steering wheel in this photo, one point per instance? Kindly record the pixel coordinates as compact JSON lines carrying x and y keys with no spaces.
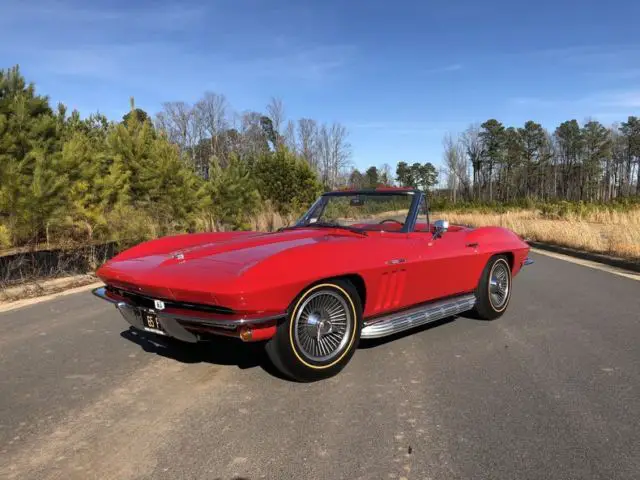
{"x":390,"y":220}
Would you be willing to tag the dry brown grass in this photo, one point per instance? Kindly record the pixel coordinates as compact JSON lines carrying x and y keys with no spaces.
{"x":612,"y":233}
{"x":268,"y":220}
{"x":608,"y":232}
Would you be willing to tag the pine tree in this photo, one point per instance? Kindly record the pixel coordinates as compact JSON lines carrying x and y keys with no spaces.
{"x":286,"y":180}
{"x":230,"y":196}
{"x":31,"y":187}
{"x":84,"y":161}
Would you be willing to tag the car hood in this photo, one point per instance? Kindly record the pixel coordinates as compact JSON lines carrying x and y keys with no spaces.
{"x":219,"y":261}
{"x":247,"y":250}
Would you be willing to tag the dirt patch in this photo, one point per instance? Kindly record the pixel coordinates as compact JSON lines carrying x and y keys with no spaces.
{"x":44,"y":287}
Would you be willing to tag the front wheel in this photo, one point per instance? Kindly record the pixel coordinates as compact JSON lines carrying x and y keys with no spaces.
{"x":320,"y":334}
{"x":494,"y":289}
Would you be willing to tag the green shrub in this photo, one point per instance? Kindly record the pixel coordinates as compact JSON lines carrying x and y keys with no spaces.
{"x":286,"y":180}
{"x":130,"y":226}
{"x":230,"y":197}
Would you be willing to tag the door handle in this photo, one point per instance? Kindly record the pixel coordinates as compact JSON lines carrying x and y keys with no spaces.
{"x":472,"y":245}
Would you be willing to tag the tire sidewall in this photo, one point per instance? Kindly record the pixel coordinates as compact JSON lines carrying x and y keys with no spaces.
{"x":497,"y":261}
{"x":290,"y":360}
{"x":484,"y":308}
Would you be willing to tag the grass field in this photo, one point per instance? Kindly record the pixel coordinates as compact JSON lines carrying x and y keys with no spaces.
{"x":609,"y":232}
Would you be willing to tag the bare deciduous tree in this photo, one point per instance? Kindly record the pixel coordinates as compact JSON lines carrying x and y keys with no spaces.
{"x":386,"y":174}
{"x":456,"y":166}
{"x":253,"y":139}
{"x":275,"y":111}
{"x":290,"y":137}
{"x":308,"y":141}
{"x":472,"y":143}
{"x":212,"y":114}
{"x":335,"y":154}
{"x":181,"y":125}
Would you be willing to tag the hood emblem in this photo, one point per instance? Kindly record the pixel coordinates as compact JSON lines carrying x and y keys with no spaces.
{"x":178,"y":256}
{"x":159,"y":304}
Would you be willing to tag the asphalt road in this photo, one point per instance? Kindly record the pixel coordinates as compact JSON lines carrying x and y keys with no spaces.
{"x":549,"y":391}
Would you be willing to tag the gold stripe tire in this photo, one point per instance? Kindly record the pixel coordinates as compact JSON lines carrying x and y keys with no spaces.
{"x":321,"y":332}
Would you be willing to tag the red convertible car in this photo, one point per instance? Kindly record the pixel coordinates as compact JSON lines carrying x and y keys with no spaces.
{"x":358,"y":264}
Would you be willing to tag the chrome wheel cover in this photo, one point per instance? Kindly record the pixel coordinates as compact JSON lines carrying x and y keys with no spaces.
{"x":499,"y":285}
{"x":323,"y":326}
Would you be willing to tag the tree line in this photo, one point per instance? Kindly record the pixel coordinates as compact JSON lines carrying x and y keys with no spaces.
{"x":203,"y":166}
{"x":64,"y":178}
{"x":210,"y":128}
{"x":422,"y":176}
{"x":588,"y":162}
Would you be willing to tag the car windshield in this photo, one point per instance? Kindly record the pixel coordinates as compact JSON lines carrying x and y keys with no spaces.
{"x":360,"y":211}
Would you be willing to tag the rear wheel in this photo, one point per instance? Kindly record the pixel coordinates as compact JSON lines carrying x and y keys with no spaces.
{"x":320,"y":334}
{"x":494,"y":290}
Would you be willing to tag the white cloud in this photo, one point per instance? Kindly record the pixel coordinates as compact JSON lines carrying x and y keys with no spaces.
{"x":444,"y":69}
{"x":312,"y":63}
{"x":159,"y":66}
{"x":532,"y":102}
{"x":621,"y":99}
{"x":157,"y":46}
{"x":605,"y":106}
{"x":408,"y":127}
{"x":161,"y":16}
{"x":585,"y":53}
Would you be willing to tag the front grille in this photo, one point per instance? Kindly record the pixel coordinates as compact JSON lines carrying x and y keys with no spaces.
{"x":148,"y":302}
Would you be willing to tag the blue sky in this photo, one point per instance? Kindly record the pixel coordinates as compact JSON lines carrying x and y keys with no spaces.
{"x":399,"y":74}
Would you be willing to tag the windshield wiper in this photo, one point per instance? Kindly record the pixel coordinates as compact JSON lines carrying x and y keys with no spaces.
{"x":337,"y":225}
{"x":290,"y":227}
{"x":324,"y":225}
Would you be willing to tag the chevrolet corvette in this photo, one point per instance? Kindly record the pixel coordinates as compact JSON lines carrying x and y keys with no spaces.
{"x":359,"y":264}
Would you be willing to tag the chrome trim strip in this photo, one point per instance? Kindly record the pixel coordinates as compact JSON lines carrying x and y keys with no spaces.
{"x":417,"y":316}
{"x":224,"y":324}
{"x":100,"y":293}
{"x":230,"y":324}
{"x":527,"y":261}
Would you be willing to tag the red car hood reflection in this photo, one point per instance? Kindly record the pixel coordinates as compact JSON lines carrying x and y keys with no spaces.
{"x":164,"y":273}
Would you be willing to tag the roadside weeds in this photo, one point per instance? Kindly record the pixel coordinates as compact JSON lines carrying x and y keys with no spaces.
{"x":38,"y":291}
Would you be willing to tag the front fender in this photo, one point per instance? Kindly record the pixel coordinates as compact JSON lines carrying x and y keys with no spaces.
{"x":274,"y":282}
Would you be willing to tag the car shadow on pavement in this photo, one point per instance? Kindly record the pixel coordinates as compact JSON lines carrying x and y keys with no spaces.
{"x":219,"y":350}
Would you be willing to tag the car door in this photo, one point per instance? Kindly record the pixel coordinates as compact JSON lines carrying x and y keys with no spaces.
{"x":441,"y":266}
{"x":448,"y":264}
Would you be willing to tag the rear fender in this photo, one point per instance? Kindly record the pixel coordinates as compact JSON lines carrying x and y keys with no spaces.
{"x":499,"y":240}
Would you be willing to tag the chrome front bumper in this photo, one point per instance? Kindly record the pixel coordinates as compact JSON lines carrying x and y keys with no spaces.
{"x":174,"y":323}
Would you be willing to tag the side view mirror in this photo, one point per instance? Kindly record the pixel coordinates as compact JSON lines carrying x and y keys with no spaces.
{"x":441,"y":226}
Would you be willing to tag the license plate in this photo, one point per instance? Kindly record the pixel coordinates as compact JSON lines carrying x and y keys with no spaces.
{"x":151,"y":323}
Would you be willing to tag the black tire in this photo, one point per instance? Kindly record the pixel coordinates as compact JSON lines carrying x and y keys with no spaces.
{"x":291,"y":349}
{"x":491,"y":306}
